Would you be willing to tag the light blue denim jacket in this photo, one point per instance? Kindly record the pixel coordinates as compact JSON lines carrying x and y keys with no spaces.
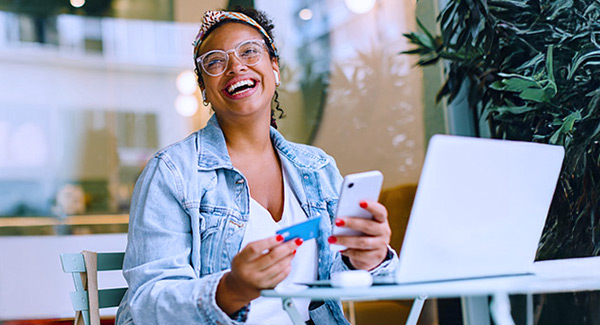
{"x":187,"y":220}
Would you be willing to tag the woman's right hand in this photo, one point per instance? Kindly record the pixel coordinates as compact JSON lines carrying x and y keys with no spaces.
{"x":262,"y":264}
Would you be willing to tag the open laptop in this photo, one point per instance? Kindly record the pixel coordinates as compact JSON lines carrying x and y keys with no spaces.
{"x":479,"y":210}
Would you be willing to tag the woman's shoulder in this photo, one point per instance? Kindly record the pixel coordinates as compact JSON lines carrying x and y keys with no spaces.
{"x":184,"y":145}
{"x":179,"y":153}
{"x":298,"y":152}
{"x":305,"y":155}
{"x":319,"y":152}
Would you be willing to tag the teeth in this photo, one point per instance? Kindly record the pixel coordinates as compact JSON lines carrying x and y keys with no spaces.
{"x":238,"y":84}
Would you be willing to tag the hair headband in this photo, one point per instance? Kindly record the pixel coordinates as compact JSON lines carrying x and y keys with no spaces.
{"x":213,"y":17}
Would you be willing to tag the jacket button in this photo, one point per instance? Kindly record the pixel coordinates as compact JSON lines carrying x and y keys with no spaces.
{"x":240,"y":181}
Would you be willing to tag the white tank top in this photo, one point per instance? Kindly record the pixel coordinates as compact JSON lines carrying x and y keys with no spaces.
{"x":304,"y":265}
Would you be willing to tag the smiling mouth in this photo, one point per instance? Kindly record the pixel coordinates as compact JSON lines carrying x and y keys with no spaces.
{"x":241,"y":87}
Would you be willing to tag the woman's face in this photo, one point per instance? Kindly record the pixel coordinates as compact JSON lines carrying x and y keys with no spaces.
{"x":241,"y":91}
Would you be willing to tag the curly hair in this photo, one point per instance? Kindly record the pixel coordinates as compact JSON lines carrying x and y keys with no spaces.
{"x":267,"y":24}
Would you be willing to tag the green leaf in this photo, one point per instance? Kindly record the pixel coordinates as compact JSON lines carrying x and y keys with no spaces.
{"x":453,"y":56}
{"x":531,"y":63}
{"x":428,"y":60}
{"x":498,"y":85}
{"x":427,"y":33}
{"x":566,"y":127}
{"x":415,"y":51}
{"x":517,"y":83}
{"x":550,"y":64}
{"x":536,"y":95}
{"x":425,"y":41}
{"x":411,"y":37}
{"x":557,"y":6}
{"x":595,"y":6}
{"x":580,"y":58}
{"x":527,"y":87}
{"x":516,"y":110}
{"x":419,"y":40}
{"x":550,"y":90}
{"x":508,"y":4}
{"x":554,"y":137}
{"x":447,"y":12}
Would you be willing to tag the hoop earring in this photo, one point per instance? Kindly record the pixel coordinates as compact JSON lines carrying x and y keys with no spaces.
{"x":204,"y":102}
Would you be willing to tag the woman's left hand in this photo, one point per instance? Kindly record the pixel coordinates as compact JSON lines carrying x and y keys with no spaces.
{"x":367,"y":251}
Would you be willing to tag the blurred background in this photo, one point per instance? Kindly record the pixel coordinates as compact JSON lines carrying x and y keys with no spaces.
{"x":90,"y":90}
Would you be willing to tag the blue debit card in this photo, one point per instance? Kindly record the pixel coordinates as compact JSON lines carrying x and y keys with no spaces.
{"x":306,"y":230}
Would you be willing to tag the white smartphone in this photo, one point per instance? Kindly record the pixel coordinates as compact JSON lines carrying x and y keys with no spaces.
{"x":364,"y":186}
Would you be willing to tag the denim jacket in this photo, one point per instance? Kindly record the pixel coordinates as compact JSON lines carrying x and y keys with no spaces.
{"x":187,"y":220}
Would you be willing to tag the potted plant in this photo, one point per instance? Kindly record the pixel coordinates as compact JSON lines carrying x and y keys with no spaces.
{"x":532,"y":68}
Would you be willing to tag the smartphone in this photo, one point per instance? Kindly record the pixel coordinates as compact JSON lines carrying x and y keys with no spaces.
{"x":364,"y":186}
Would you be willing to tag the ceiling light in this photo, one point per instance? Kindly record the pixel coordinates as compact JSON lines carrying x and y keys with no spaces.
{"x":305,"y":14}
{"x":360,"y":6}
{"x":77,"y":3}
{"x":186,"y":82}
{"x":186,"y":105}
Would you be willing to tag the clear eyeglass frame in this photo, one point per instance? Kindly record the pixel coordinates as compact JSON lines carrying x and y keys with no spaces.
{"x":215,"y":62}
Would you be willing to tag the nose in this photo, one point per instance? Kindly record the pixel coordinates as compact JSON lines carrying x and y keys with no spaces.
{"x":234,"y":64}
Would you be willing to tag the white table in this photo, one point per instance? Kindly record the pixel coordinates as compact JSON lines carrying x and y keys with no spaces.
{"x":567,"y":275}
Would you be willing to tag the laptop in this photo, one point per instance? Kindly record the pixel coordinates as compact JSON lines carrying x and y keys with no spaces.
{"x":479,"y":210}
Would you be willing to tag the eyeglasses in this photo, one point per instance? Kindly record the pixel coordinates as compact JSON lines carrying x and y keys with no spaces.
{"x":215,"y":62}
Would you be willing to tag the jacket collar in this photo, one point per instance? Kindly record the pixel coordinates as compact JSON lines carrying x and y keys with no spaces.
{"x":212,"y":149}
{"x":213,"y":154}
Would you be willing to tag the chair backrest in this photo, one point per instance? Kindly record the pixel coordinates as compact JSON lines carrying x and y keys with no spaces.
{"x":87,"y":299}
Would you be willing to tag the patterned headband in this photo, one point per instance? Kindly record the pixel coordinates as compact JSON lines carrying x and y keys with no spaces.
{"x":213,"y":17}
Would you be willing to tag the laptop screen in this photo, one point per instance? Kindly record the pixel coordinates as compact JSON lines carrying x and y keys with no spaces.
{"x":480,"y":208}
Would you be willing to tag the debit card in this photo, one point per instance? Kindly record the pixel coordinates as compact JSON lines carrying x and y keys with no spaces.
{"x":306,"y":230}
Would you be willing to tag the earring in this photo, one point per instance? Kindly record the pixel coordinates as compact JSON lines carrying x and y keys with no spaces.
{"x":204,"y":102}
{"x":277,"y":83}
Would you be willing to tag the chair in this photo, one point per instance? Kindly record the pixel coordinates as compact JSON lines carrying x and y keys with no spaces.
{"x":87,"y":299}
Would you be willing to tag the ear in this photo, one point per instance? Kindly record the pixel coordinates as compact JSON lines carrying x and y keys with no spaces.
{"x":276,"y":73}
{"x":275,"y":65}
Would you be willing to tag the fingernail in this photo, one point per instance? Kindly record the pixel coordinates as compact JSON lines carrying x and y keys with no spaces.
{"x":340,"y":222}
{"x":331,"y":239}
{"x":363,"y":204}
{"x":279,"y":238}
{"x":299,"y":241}
{"x":294,"y":252}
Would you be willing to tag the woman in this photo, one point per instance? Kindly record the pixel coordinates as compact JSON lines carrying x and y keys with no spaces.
{"x":204,"y":212}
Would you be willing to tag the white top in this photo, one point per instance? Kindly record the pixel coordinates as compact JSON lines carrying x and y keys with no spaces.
{"x":304,"y":265}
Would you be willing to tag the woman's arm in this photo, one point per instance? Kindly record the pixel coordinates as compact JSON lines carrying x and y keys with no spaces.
{"x":260,"y":265}
{"x":164,"y":287}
